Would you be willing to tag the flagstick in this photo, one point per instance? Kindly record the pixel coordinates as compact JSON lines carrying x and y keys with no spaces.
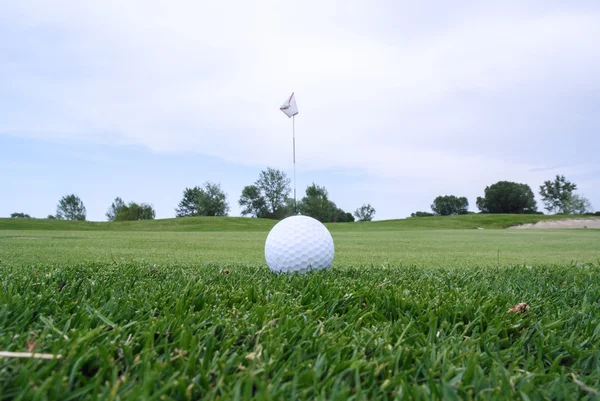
{"x":294,"y":136}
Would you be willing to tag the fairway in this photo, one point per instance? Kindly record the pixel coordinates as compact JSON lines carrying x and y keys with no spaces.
{"x":418,"y":247}
{"x":409,"y":310}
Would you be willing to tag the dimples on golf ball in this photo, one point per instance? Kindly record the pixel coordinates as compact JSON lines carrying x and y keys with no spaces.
{"x":297,"y":244}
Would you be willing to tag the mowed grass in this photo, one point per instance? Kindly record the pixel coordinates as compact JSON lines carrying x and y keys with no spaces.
{"x":405,"y":313}
{"x":408,"y":248}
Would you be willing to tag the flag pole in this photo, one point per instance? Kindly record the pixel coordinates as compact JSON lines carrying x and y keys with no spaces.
{"x":294,"y":138}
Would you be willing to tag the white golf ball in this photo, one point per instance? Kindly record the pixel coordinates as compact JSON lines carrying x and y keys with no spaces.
{"x":299,"y":244}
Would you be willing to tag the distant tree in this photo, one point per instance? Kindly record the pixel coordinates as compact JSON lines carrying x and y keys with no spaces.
{"x":253,"y":202}
{"x":190,"y":204}
{"x":365,"y":213}
{"x":51,"y":217}
{"x":133,"y":211}
{"x":341,"y":216}
{"x":20,"y":216}
{"x":422,"y":214}
{"x":556,"y":194}
{"x":450,"y":205}
{"x":275,"y":187}
{"x":268,"y":196}
{"x":578,"y":204}
{"x":507,"y":197}
{"x":207,"y":201}
{"x":70,"y":207}
{"x":317,"y":205}
{"x":114,"y":209}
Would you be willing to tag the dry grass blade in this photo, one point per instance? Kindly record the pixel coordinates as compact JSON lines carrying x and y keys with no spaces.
{"x":519,"y":308}
{"x":255,"y":354}
{"x":267,"y":325}
{"x":584,"y":386}
{"x":8,"y":354}
{"x":31,"y":345}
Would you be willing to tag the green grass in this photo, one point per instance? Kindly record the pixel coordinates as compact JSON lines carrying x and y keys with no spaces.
{"x":470,"y":221}
{"x":416,"y":248}
{"x":162,"y":225}
{"x":406,"y":312}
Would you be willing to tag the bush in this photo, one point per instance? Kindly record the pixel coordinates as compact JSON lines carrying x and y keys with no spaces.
{"x":19,"y":216}
{"x":422,"y":214}
{"x":133,"y":211}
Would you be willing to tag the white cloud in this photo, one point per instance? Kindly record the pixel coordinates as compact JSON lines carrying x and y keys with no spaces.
{"x":376,"y":90}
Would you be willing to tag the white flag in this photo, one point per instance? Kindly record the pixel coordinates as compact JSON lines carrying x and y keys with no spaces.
{"x":289,"y":107}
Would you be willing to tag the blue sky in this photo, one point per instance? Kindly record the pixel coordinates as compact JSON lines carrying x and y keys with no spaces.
{"x":399,"y":102}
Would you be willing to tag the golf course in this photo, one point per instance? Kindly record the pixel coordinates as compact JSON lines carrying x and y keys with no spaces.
{"x":453,"y":308}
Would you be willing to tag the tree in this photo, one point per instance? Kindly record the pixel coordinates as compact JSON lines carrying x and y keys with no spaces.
{"x":450,"y":205}
{"x":343,"y":217}
{"x":133,"y":211}
{"x":365,"y":213}
{"x":268,"y":197}
{"x":253,"y":202}
{"x":190,"y":204}
{"x":20,"y":216}
{"x":578,"y":204}
{"x":114,"y":209}
{"x":507,"y":197}
{"x":275,"y":187}
{"x":70,"y":207}
{"x":51,"y":217}
{"x":207,"y":201}
{"x":317,"y":205}
{"x":557,"y":194}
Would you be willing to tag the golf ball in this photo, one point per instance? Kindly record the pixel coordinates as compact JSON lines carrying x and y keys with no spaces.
{"x":299,"y":244}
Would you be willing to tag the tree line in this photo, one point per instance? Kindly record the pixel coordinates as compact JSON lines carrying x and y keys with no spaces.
{"x":268,"y":197}
{"x":510,"y":197}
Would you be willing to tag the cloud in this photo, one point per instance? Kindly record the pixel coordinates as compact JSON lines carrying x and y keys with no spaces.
{"x":464,"y":94}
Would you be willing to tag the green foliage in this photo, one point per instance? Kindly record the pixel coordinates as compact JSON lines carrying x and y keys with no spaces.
{"x":578,"y":204}
{"x":114,"y":209}
{"x":343,"y":217}
{"x":51,"y":217}
{"x":253,"y":202}
{"x":268,"y":197}
{"x":317,"y":205}
{"x":133,"y":211}
{"x":507,"y":197}
{"x":556,"y":194}
{"x":207,"y":201}
{"x":19,"y":216}
{"x":365,"y":213}
{"x":422,"y":214}
{"x":70,"y":207}
{"x":275,"y":188}
{"x":450,"y":205}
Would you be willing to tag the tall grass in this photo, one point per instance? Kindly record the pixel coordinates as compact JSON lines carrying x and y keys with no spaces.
{"x":132,"y":331}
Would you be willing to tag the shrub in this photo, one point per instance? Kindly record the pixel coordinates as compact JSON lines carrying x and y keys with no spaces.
{"x":422,"y":214}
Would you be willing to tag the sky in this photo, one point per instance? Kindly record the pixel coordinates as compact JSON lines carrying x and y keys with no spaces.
{"x":399,"y":101}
